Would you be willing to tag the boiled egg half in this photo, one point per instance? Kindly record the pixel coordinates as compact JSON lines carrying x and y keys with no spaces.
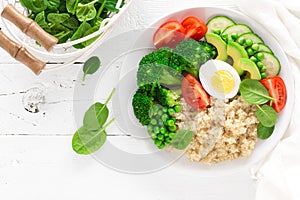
{"x":219,"y":79}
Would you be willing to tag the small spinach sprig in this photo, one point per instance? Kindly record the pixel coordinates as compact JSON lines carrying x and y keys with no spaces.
{"x":255,"y":93}
{"x":92,"y":135}
{"x":91,"y":66}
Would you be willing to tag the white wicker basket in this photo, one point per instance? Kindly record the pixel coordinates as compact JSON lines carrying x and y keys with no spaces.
{"x":64,"y":54}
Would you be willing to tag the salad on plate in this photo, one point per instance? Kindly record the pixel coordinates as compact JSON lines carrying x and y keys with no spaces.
{"x":213,"y":89}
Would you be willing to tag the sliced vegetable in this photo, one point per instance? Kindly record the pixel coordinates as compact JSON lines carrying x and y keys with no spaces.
{"x":271,"y":62}
{"x":194,"y":28}
{"x":253,"y":37}
{"x":193,"y":93}
{"x":239,"y":29}
{"x":168,"y":34}
{"x":277,"y":89}
{"x":218,"y":24}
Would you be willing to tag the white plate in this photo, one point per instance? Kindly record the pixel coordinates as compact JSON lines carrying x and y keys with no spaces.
{"x":130,"y":49}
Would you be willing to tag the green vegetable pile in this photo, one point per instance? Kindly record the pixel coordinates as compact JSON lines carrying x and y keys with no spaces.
{"x":70,"y":19}
{"x":159,"y":78}
{"x":255,"y":93}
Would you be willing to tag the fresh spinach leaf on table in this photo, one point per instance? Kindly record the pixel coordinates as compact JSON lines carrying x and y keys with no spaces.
{"x":96,"y":115}
{"x":86,"y":12}
{"x":91,"y":66}
{"x":92,"y":135}
{"x":182,"y":139}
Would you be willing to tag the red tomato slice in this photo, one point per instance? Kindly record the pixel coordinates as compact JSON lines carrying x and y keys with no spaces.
{"x":194,"y":28}
{"x":168,"y":34}
{"x":193,"y":93}
{"x":276,"y":88}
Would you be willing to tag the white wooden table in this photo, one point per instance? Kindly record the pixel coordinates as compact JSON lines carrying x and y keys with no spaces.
{"x":36,"y":158}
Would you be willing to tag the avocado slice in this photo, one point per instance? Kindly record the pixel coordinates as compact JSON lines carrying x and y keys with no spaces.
{"x":220,"y":45}
{"x":250,"y":66}
{"x":236,"y":51}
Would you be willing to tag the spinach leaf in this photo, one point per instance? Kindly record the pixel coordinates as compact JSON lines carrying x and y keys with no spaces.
{"x":97,"y":114}
{"x":264,"y":132}
{"x":71,"y":23}
{"x":90,"y":31}
{"x":182,"y":139}
{"x":254,"y":92}
{"x":53,"y":4}
{"x":86,"y":142}
{"x":72,"y":6}
{"x":34,"y":5}
{"x":266,"y":115}
{"x":57,"y":18}
{"x":41,"y":20}
{"x":86,"y":12}
{"x":80,"y":33}
{"x":91,"y":66}
{"x":92,"y":135}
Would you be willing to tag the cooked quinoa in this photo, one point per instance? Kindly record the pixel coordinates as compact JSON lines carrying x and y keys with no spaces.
{"x":225,"y":131}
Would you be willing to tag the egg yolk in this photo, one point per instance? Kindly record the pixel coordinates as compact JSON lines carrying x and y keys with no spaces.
{"x":223,"y":81}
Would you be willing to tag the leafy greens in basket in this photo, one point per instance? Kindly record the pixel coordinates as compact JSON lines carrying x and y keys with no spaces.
{"x":70,"y":19}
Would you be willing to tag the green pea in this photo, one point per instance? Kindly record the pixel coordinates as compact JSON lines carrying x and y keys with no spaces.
{"x":160,"y":123}
{"x":177,"y":108}
{"x":263,"y":75}
{"x":170,"y":122}
{"x":234,"y":36}
{"x":249,"y":42}
{"x":165,"y":117}
{"x":157,"y":142}
{"x":153,"y":137}
{"x":161,"y":146}
{"x":213,"y":53}
{"x":224,"y":36}
{"x":217,"y":31}
{"x":260,"y":56}
{"x":155,"y":108}
{"x":207,"y":49}
{"x":241,"y":40}
{"x":160,"y":136}
{"x":253,"y":59}
{"x":168,"y":140}
{"x":156,"y":130}
{"x":153,"y":121}
{"x":160,"y":112}
{"x":172,"y":128}
{"x":165,"y":109}
{"x":171,"y":135}
{"x":250,"y":52}
{"x":263,"y":69}
{"x":163,"y":130}
{"x":150,"y":128}
{"x":171,"y":111}
{"x":259,"y":64}
{"x":255,"y":47}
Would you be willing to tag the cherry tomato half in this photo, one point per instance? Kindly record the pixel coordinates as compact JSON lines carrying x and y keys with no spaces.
{"x":168,"y":34}
{"x":193,"y":93}
{"x":194,"y":28}
{"x":276,"y":88}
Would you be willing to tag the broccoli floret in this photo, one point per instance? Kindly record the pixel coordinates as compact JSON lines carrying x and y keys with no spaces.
{"x":158,"y":74}
{"x":161,"y":56}
{"x":142,"y":102}
{"x":188,"y":55}
{"x":166,"y":97}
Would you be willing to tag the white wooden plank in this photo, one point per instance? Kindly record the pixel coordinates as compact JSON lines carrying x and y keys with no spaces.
{"x":46,"y":168}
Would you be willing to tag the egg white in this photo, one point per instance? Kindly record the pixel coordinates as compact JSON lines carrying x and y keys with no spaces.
{"x":208,"y":70}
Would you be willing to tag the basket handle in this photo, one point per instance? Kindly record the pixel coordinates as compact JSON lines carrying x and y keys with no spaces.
{"x":18,"y":52}
{"x":29,"y":27}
